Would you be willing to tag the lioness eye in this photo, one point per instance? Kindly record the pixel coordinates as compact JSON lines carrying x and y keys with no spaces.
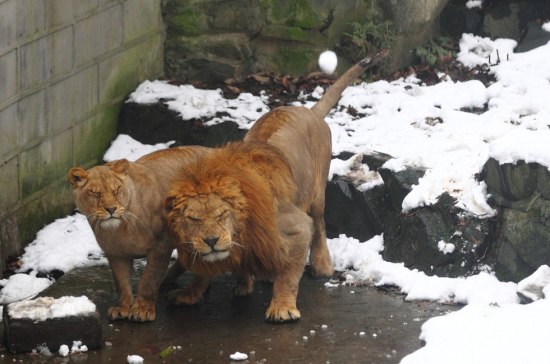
{"x":115,"y":192}
{"x":97,"y":194}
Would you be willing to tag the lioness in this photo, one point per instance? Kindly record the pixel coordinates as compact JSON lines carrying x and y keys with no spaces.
{"x":255,"y":207}
{"x":123,"y":202}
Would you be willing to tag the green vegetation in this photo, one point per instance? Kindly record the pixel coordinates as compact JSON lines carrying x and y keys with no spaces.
{"x":370,"y":36}
{"x":437,"y":49}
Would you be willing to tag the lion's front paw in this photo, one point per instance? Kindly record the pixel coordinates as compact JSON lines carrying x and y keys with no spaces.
{"x":142,"y":312}
{"x":119,"y":312}
{"x":282,"y":314}
{"x":183,"y":297}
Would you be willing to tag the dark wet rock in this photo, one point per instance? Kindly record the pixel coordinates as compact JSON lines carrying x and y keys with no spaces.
{"x":25,"y":335}
{"x":222,"y":133}
{"x":399,"y":184}
{"x":155,"y":123}
{"x":522,"y":235}
{"x":352,"y":212}
{"x":523,"y":242}
{"x":514,"y":19}
{"x":533,"y":37}
{"x":414,"y":238}
{"x":516,"y":185}
{"x":457,"y":19}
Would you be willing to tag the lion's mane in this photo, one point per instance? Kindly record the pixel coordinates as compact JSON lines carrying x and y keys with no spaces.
{"x":254,"y":178}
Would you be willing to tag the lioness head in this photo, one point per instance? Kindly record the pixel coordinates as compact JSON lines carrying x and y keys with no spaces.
{"x":205,"y":216}
{"x":101,"y":193}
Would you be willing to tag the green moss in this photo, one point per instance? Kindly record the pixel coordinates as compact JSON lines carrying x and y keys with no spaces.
{"x":295,"y":60}
{"x":279,"y":11}
{"x":45,"y":163}
{"x":304,"y":16}
{"x":298,"y":34}
{"x":57,"y":203}
{"x":187,"y":22}
{"x":90,"y":150}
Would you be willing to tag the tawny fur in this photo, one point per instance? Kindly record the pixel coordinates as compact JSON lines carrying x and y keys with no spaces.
{"x":123,"y":202}
{"x":256,"y":207}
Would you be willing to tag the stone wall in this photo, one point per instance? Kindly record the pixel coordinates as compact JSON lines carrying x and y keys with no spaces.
{"x":65,"y":68}
{"x":212,"y":40}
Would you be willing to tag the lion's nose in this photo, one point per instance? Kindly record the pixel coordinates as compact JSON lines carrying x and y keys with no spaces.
{"x":211,"y":241}
{"x":111,"y":210}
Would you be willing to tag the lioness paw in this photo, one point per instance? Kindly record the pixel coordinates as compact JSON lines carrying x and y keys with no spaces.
{"x":183,"y":297}
{"x":142,"y":312}
{"x":118,"y":312}
{"x":282,"y":314}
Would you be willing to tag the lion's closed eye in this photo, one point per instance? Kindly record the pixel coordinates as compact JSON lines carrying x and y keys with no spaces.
{"x":194,"y":219}
{"x":222,"y":215}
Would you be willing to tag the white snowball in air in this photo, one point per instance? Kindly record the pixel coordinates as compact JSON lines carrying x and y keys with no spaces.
{"x":328,"y":62}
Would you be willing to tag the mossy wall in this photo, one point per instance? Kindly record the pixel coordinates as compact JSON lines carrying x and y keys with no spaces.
{"x":209,"y":40}
{"x":66,"y":67}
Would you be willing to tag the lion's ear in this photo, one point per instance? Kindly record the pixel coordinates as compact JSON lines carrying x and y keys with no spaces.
{"x":77,"y":177}
{"x":120,"y":166}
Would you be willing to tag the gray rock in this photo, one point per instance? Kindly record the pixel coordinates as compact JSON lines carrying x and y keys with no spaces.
{"x":533,"y":37}
{"x":522,"y":241}
{"x":351,"y":212}
{"x":151,"y":124}
{"x":512,"y":185}
{"x":25,"y":335}
{"x":414,"y":238}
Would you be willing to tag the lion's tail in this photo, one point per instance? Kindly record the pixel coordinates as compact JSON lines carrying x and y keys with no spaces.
{"x":331,"y":97}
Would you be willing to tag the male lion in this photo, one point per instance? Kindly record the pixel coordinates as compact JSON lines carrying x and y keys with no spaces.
{"x":123,"y":202}
{"x":255,"y":207}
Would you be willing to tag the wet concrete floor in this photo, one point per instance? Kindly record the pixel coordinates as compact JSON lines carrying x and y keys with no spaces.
{"x":344,"y":324}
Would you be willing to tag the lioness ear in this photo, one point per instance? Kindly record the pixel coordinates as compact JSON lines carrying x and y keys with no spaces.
{"x":77,"y":177}
{"x":120,"y":166}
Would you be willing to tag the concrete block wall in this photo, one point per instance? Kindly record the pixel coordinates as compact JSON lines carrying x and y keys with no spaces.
{"x":65,"y":68}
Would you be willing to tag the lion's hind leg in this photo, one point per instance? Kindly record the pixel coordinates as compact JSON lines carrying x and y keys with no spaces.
{"x":244,"y":286}
{"x":191,"y":294}
{"x":295,"y":228}
{"x":319,"y":256}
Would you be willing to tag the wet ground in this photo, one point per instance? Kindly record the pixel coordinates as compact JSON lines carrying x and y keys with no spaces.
{"x":344,"y":324}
